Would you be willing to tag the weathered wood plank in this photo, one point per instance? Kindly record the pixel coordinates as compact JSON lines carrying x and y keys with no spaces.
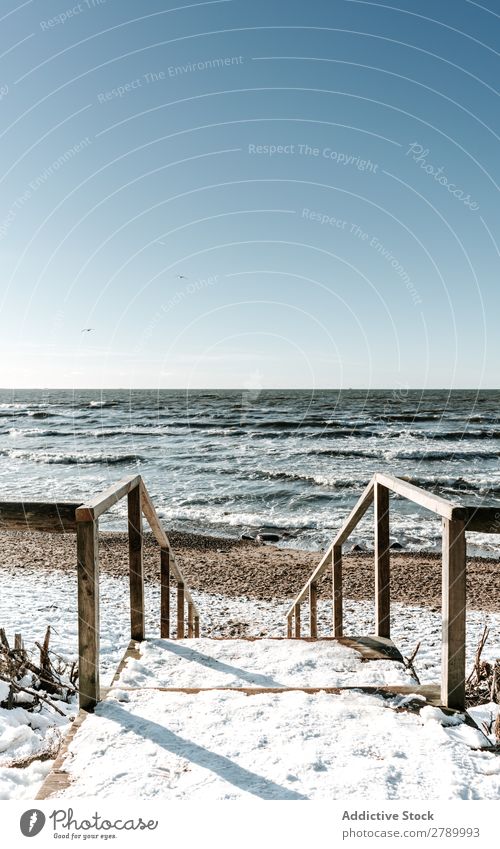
{"x":313,"y":609}
{"x":454,"y":609}
{"x":337,"y":591}
{"x":190,"y":620}
{"x":58,"y":779}
{"x":88,"y":613}
{"x":152,"y":519}
{"x":297,"y":621}
{"x":51,"y":517}
{"x":180,"y":611}
{"x":289,"y":629}
{"x":350,"y":523}
{"x":197,"y":626}
{"x":429,"y":692}
{"x":136,"y":564}
{"x":434,"y":503}
{"x":356,"y":514}
{"x":165,"y":593}
{"x":382,"y":562}
{"x":162,"y":539}
{"x":106,"y":499}
{"x":373,"y":647}
{"x":484,"y":520}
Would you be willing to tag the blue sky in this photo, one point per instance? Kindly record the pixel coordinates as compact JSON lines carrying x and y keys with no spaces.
{"x":248,"y":193}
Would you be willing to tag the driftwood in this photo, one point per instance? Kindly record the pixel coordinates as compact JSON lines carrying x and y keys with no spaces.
{"x":483,"y":683}
{"x":50,"y":679}
{"x":495,"y":683}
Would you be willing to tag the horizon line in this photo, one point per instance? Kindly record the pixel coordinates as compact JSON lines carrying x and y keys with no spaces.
{"x":249,"y":389}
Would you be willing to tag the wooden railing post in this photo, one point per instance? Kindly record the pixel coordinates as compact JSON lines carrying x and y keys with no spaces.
{"x":190,"y":620}
{"x":382,"y":562}
{"x":296,"y":611}
{"x":289,"y":626}
{"x":313,"y":609}
{"x":88,"y":613}
{"x":454,"y":614}
{"x":197,"y":626}
{"x":165,"y":593}
{"x":136,"y":566}
{"x":180,"y":611}
{"x":338,"y":628}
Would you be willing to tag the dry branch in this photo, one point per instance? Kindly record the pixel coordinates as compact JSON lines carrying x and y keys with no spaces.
{"x":409,"y":661}
{"x":47,"y":681}
{"x":483,"y":683}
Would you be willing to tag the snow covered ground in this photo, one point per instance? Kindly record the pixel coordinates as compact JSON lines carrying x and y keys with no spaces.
{"x":259,"y":663}
{"x":54,"y":602}
{"x":225,"y":745}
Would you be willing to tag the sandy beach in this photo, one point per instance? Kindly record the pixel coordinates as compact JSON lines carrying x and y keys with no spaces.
{"x":265,"y":572}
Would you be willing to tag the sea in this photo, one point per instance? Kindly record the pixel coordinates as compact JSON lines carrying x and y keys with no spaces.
{"x":228,"y":463}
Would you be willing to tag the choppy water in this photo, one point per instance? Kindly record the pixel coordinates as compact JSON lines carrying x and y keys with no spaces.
{"x":225,"y":462}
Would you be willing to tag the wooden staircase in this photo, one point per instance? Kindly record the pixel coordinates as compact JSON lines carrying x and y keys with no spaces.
{"x":84,"y":519}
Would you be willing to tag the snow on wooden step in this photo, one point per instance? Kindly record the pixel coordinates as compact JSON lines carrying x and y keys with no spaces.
{"x":219,"y":745}
{"x":260,"y":663}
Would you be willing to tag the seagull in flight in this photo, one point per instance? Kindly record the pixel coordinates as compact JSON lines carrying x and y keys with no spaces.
{"x":87,"y":330}
{"x":181,"y":277}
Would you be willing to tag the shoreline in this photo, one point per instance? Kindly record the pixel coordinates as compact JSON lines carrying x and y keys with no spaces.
{"x":235,"y":568}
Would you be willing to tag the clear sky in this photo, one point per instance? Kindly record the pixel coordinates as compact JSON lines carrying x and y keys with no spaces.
{"x":249,"y":193}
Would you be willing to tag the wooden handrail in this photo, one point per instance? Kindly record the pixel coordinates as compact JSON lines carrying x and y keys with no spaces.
{"x":356,"y":514}
{"x":484,"y":520}
{"x":442,"y":506}
{"x":163,"y":541}
{"x":106,"y":499}
{"x":457,"y":519}
{"x":87,"y":525}
{"x":55,"y":517}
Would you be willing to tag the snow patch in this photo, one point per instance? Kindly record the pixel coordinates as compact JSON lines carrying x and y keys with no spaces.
{"x":226,"y":745}
{"x":256,"y":663}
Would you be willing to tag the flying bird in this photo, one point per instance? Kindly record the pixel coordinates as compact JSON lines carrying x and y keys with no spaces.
{"x":181,"y":277}
{"x":87,"y":330}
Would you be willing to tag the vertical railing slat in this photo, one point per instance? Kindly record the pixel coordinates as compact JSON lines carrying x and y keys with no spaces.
{"x":313,"y":609}
{"x":165,"y":593}
{"x":337,"y":592}
{"x":88,"y":613}
{"x":382,"y":563}
{"x":296,"y":611}
{"x":136,"y":565}
{"x":190,"y":620}
{"x":454,"y":614}
{"x":180,"y":611}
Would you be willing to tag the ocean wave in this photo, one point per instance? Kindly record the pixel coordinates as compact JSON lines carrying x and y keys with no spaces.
{"x":454,"y":435}
{"x":102,"y":404}
{"x":321,"y":434}
{"x":318,"y":480}
{"x":41,"y":414}
{"x":434,"y":456}
{"x":76,"y":459}
{"x":39,"y":432}
{"x":409,"y":417}
{"x":10,"y":414}
{"x":343,"y":452}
